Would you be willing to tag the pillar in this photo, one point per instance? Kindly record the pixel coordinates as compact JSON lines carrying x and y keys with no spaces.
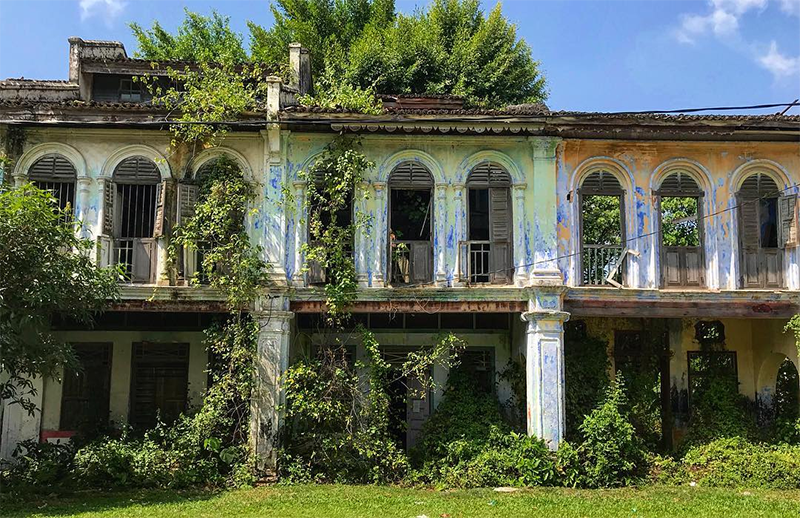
{"x":82,"y":202}
{"x":439,"y":215}
{"x":271,"y":362}
{"x":17,"y":424}
{"x":380,"y":230}
{"x":544,"y":366}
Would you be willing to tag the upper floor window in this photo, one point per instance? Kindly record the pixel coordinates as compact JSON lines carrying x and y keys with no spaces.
{"x":680,"y":211}
{"x":321,"y":217}
{"x":767,"y":224}
{"x":410,"y":224}
{"x":489,"y":247}
{"x":130,"y":91}
{"x":134,"y":215}
{"x":602,"y":229}
{"x":56,"y":174}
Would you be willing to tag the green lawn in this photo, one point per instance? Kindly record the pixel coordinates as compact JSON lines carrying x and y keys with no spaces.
{"x":368,"y":501}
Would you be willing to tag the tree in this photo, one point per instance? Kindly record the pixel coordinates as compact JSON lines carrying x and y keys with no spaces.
{"x":452,"y":47}
{"x":45,"y":272}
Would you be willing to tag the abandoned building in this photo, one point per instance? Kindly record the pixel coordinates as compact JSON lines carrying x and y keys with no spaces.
{"x":639,"y":229}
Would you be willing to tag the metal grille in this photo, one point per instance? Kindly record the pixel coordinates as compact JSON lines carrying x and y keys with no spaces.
{"x":479,"y":269}
{"x":63,"y":192}
{"x":601,"y":181}
{"x":137,"y":208}
{"x":598,"y":261}
{"x":410,"y":175}
{"x":489,"y":175}
{"x":137,"y":169}
{"x":124,"y":256}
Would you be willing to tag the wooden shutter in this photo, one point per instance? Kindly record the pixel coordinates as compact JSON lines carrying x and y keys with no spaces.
{"x":142,"y":258}
{"x":187,"y":199}
{"x":158,"y":222}
{"x":787,"y":218}
{"x":109,"y":195}
{"x":316,"y":273}
{"x":750,"y":240}
{"x":421,"y":259}
{"x":500,"y":235}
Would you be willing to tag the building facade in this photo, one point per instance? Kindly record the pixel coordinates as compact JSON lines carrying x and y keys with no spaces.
{"x":635,"y":228}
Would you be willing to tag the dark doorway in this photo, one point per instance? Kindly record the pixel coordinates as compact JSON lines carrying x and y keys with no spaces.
{"x":160,"y":383}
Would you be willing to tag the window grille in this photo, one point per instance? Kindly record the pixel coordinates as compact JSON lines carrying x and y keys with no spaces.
{"x":56,"y":174}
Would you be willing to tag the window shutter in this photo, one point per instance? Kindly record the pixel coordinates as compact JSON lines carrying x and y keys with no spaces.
{"x":787,"y":216}
{"x":748,"y":222}
{"x":142,"y":259}
{"x":187,"y":199}
{"x":500,"y":234}
{"x":158,"y":225}
{"x":421,"y":259}
{"x":109,"y":195}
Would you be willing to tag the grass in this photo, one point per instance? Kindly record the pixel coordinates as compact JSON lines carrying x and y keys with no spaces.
{"x":369,"y":501}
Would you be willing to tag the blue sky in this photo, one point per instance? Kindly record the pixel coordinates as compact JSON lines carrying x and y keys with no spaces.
{"x":597,"y":55}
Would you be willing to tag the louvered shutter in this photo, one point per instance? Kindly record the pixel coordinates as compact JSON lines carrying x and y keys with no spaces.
{"x":109,"y":195}
{"x":787,"y":217}
{"x":500,"y":235}
{"x":316,"y":273}
{"x":749,"y":239}
{"x":188,"y":195}
{"x":158,"y":222}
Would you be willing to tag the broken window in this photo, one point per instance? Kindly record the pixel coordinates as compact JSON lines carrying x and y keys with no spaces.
{"x":85,"y":391}
{"x":706,"y":367}
{"x":56,"y":174}
{"x":767,"y":224}
{"x":341,"y":218}
{"x":135,"y":213}
{"x":160,"y":383}
{"x":489,"y":248}
{"x":682,"y":258}
{"x":602,"y":229}
{"x":410,"y":223}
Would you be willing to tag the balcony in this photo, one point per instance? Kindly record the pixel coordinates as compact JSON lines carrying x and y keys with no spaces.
{"x":598,"y":261}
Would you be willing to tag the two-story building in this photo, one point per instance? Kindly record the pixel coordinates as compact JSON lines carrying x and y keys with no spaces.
{"x":511,"y":222}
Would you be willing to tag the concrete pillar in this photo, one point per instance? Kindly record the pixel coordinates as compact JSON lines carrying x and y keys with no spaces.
{"x":544,"y":209}
{"x":439,"y":216}
{"x":17,"y":424}
{"x":544,"y":366}
{"x":272,"y":361}
{"x":380,"y":231}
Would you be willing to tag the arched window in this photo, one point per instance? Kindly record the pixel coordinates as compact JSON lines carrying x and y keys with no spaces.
{"x":320,"y":210}
{"x":136,"y":209}
{"x":489,"y":246}
{"x":767,"y":224}
{"x":56,"y":174}
{"x":680,"y":212}
{"x":602,"y":228}
{"x":410,"y":224}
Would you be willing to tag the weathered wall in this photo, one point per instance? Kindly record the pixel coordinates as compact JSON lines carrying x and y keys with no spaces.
{"x":640,"y":166}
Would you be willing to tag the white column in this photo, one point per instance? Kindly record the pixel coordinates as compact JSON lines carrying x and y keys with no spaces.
{"x":17,"y":424}
{"x":439,"y":233}
{"x":460,"y":273}
{"x":361,"y":242}
{"x":544,"y":367}
{"x":272,"y":233}
{"x":518,"y":217}
{"x":82,"y":202}
{"x":272,"y":361}
{"x":380,"y":230}
{"x":300,"y":231}
{"x":545,"y":206}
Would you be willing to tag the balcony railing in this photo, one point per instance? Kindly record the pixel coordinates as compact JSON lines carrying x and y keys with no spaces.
{"x":486,"y":261}
{"x":598,"y":261}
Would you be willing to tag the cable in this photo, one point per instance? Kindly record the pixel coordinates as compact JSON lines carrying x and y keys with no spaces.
{"x":623,"y":244}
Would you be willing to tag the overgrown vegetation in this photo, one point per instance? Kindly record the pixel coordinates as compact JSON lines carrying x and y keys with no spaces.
{"x":365,"y":46}
{"x":46,"y":271}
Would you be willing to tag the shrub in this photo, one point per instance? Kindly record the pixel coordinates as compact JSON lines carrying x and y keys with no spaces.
{"x":736,"y":462}
{"x":611,"y":453}
{"x":586,"y":366}
{"x":719,"y":411}
{"x":38,"y":464}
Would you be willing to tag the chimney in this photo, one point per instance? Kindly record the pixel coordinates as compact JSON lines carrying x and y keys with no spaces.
{"x":300,"y":67}
{"x":75,"y":44}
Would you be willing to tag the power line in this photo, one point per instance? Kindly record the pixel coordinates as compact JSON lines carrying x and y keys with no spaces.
{"x":623,"y":244}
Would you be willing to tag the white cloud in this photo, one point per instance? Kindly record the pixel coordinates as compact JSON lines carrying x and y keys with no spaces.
{"x":790,"y":7}
{"x":722,"y":20}
{"x":778,"y":64}
{"x":110,"y":8}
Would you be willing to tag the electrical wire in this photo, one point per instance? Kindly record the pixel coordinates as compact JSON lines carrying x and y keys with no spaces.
{"x":623,"y":244}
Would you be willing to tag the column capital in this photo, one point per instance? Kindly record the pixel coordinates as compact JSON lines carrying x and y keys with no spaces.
{"x":544,"y":148}
{"x":542,"y":316}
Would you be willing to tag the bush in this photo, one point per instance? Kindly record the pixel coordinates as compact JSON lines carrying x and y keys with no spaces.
{"x":611,"y":453}
{"x":38,"y":464}
{"x":586,"y":366}
{"x":736,"y":462}
{"x":503,"y":459}
{"x":719,"y":411}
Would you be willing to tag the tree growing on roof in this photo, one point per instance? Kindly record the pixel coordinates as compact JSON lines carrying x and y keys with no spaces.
{"x":452,"y":47}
